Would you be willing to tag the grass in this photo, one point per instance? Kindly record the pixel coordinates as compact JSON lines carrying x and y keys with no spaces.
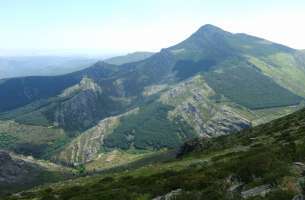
{"x":114,"y":159}
{"x":245,"y":85}
{"x":284,"y":70}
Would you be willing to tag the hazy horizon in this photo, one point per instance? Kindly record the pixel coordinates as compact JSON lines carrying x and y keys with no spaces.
{"x":118,"y":27}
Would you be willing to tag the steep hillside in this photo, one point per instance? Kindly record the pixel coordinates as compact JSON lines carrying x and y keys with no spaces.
{"x":261,"y":163}
{"x":88,"y":145}
{"x":184,"y":111}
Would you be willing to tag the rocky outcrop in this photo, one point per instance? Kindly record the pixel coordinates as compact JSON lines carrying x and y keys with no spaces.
{"x":85,"y":84}
{"x":80,"y":108}
{"x":169,"y":196}
{"x":193,"y":102}
{"x":14,"y":171}
{"x":19,"y":172}
{"x":223,"y":121}
{"x":298,"y":197}
{"x":256,"y":191}
{"x":153,"y":89}
{"x":87,"y":146}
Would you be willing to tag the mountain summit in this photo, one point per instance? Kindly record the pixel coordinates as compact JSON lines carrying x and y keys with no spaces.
{"x":209,"y":28}
{"x":207,"y":38}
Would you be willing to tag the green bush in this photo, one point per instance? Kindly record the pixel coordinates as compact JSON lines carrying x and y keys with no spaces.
{"x":7,"y":141}
{"x":259,"y":163}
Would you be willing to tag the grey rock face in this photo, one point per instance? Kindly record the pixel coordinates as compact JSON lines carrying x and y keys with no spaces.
{"x":14,"y":171}
{"x":192,"y":101}
{"x":4,"y":157}
{"x":169,"y":196}
{"x":298,"y":197}
{"x":86,"y":147}
{"x":81,"y":108}
{"x":260,"y":190}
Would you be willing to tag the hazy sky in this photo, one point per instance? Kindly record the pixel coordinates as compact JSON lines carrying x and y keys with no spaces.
{"x":111,"y":26}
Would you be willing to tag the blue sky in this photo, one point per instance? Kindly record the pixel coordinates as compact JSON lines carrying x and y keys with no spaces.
{"x":119,"y":26}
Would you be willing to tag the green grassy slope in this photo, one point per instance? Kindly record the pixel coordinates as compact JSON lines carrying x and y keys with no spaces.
{"x":221,"y":168}
{"x":32,"y":140}
{"x":247,"y":86}
{"x":284,"y":69}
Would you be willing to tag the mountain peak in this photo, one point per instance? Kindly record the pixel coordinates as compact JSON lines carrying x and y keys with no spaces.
{"x":210,"y":31}
{"x":206,"y":37}
{"x":209,"y":28}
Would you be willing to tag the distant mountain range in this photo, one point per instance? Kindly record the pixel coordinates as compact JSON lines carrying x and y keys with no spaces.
{"x":131,"y":57}
{"x":41,"y":65}
{"x":211,"y":84}
{"x":21,"y":66}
